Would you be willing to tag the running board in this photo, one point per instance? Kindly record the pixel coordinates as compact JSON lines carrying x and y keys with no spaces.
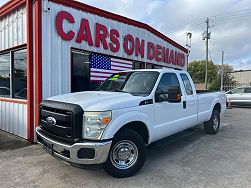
{"x":171,"y":139}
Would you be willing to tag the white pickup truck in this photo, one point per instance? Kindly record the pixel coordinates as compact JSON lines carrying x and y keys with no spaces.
{"x":114,"y":125}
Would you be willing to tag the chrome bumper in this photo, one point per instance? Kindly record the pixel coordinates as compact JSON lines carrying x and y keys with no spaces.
{"x":100,"y":156}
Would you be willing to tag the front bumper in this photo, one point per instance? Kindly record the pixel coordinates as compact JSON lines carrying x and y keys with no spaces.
{"x":71,"y":153}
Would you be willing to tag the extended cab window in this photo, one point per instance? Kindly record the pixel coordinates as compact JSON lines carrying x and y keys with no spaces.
{"x":187,"y":84}
{"x":238,"y":91}
{"x":247,"y":90}
{"x":167,"y":80}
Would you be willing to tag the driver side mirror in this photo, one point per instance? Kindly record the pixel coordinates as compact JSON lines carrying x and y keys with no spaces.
{"x":172,"y":94}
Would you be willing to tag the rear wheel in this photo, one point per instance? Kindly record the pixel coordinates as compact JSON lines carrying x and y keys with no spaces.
{"x":127,"y":154}
{"x":212,"y":126}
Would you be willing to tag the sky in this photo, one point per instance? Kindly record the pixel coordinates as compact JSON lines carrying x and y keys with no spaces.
{"x":230,"y":22}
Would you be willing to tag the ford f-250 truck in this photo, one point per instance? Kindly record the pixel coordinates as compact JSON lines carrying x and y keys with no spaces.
{"x":114,"y":125}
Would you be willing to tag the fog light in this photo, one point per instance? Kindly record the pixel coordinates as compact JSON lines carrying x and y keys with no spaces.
{"x":86,"y":153}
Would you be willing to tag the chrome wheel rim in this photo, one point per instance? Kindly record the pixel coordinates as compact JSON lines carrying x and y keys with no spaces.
{"x":215,"y":122}
{"x":124,"y":154}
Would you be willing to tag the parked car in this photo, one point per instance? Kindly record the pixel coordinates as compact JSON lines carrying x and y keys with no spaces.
{"x":240,"y":96}
{"x":130,"y":110}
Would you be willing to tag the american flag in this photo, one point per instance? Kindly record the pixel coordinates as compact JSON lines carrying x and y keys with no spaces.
{"x":102,"y":66}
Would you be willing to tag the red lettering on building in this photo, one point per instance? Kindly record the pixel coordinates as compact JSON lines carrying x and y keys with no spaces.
{"x":61,"y":16}
{"x":150,"y":51}
{"x":171,"y":57}
{"x":158,"y":53}
{"x":129,"y":44}
{"x":140,"y":47}
{"x":84,"y":33}
{"x":114,"y":37}
{"x":167,"y":56}
{"x":182,"y":60}
{"x":101,"y":36}
{"x":176,"y":58}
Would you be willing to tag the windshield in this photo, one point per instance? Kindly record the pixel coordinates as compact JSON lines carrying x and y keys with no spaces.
{"x":135,"y":83}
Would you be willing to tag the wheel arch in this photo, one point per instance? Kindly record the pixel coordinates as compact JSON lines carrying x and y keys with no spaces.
{"x":139,"y":127}
{"x":134,"y":120}
{"x":217,"y":106}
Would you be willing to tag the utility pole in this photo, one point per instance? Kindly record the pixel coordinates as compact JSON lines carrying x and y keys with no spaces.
{"x":222,"y":71}
{"x":206,"y":37}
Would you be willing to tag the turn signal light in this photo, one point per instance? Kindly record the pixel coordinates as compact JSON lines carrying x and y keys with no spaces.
{"x":178,"y":96}
{"x":106,"y":120}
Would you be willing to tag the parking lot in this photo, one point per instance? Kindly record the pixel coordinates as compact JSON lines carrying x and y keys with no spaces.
{"x":198,"y":160}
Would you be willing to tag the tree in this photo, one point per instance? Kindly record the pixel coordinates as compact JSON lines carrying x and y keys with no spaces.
{"x":197,"y":71}
{"x":228,"y":78}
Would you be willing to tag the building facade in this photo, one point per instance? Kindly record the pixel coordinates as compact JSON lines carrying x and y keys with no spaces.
{"x":243,"y":77}
{"x":53,"y":47}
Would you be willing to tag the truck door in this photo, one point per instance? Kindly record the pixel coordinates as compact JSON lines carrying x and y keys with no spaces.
{"x":170,"y":117}
{"x":191,"y":102}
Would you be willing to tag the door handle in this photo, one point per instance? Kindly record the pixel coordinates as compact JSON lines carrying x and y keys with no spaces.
{"x":184,"y":104}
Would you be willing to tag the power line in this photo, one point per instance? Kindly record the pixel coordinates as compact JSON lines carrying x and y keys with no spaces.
{"x":216,"y":18}
{"x":232,"y":37}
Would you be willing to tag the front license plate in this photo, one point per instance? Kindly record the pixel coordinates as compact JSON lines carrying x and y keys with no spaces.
{"x":48,"y":148}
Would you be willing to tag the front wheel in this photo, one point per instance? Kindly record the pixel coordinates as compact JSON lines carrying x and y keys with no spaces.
{"x":127,"y":154}
{"x":212,"y":126}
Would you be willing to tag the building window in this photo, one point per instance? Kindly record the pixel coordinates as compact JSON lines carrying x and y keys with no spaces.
{"x":5,"y":75}
{"x":153,"y":66}
{"x":149,"y":66}
{"x":13,"y":74}
{"x":157,"y":67}
{"x":138,"y":65}
{"x":20,"y":74}
{"x":80,"y":75}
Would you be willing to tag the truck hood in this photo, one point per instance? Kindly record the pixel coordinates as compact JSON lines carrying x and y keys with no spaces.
{"x":100,"y":100}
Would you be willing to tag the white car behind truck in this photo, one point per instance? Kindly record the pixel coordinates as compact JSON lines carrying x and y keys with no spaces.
{"x":114,"y":125}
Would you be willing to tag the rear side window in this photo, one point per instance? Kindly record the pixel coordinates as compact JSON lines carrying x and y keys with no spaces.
{"x":247,"y":90}
{"x":238,"y":91}
{"x":187,"y":84}
{"x":168,"y":79}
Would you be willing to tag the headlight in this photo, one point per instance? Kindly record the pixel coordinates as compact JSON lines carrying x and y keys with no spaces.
{"x":94,"y":124}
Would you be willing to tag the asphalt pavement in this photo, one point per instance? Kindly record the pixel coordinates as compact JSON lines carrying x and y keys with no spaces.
{"x":197,"y":160}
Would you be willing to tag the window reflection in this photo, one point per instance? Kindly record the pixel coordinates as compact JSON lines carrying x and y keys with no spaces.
{"x":5,"y":75}
{"x":20,"y":74}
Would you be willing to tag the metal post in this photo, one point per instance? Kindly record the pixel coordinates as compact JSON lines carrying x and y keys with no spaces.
{"x":222,"y":71}
{"x":207,"y":36}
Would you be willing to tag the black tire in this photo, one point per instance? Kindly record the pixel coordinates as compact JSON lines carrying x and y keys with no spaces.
{"x":212,"y":126}
{"x":131,"y":138}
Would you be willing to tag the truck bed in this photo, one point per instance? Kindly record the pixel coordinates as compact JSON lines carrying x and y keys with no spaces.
{"x":205,"y":91}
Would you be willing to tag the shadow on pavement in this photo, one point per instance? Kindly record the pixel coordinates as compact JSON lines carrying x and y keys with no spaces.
{"x":11,"y":142}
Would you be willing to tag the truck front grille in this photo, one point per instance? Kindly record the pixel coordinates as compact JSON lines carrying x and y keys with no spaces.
{"x":68,"y":120}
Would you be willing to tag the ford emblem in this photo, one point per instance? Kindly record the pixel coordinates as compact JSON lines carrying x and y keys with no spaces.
{"x":51,"y":121}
